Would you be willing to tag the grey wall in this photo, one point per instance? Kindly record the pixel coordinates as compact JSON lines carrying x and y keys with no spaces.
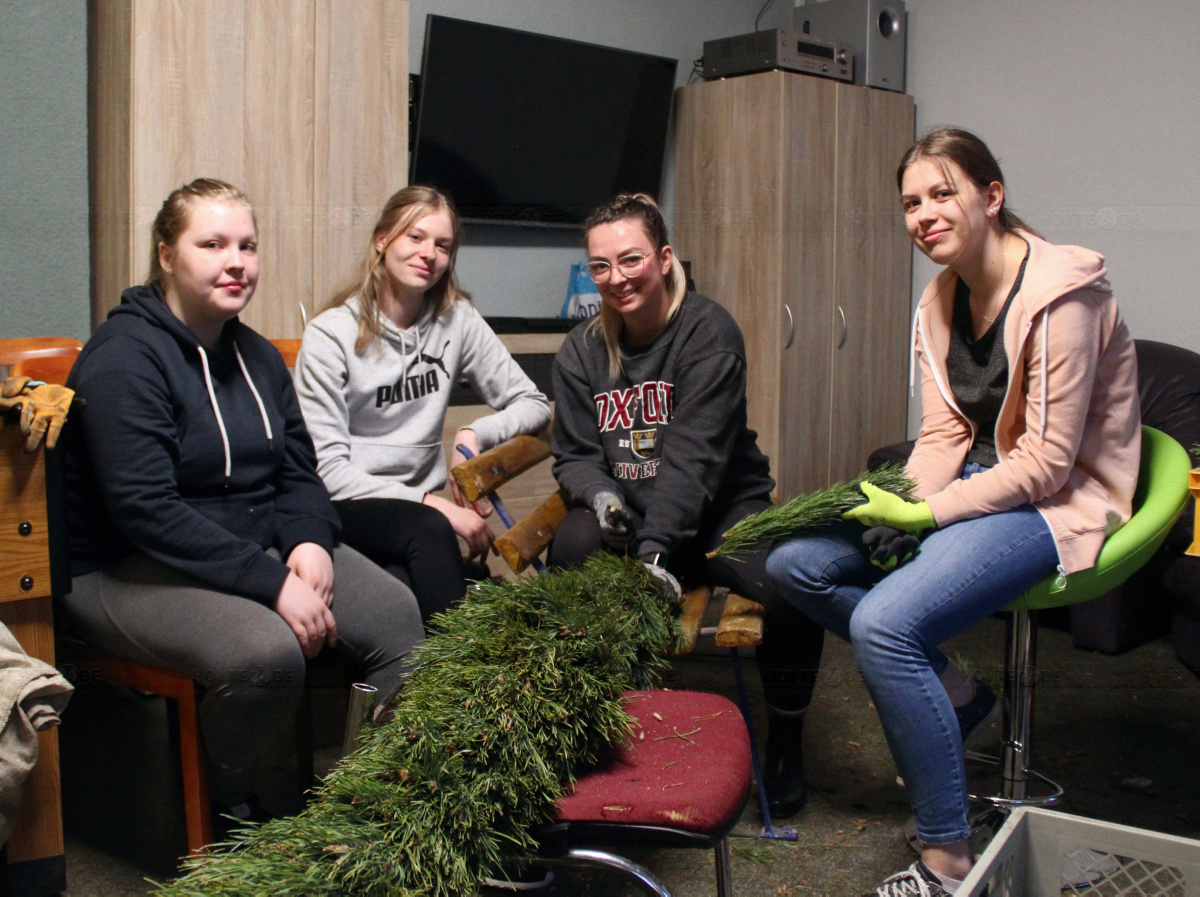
{"x":523,"y":271}
{"x":1091,"y":107}
{"x":43,"y":168}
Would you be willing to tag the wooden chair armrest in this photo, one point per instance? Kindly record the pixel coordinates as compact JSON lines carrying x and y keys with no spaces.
{"x":489,"y":470}
{"x":741,"y":623}
{"x":691,"y":616}
{"x":531,"y":534}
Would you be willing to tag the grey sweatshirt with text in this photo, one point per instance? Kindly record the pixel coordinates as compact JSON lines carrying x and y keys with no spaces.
{"x":376,"y":419}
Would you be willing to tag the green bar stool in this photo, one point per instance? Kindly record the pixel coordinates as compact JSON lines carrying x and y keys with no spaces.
{"x":1162,"y":492}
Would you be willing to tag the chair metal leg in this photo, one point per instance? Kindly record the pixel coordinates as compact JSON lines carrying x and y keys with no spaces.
{"x":783,"y":833}
{"x":724,"y":868}
{"x":635,"y":872}
{"x":1021,"y":663}
{"x":1019,"y":680}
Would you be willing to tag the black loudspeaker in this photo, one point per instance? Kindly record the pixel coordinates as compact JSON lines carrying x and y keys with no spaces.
{"x":876,"y":31}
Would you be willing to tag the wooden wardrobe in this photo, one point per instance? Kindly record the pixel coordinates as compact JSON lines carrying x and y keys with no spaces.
{"x":787,"y":207}
{"x":301,"y":103}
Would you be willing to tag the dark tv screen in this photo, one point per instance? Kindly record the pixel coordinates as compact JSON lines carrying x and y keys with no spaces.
{"x":527,"y":129}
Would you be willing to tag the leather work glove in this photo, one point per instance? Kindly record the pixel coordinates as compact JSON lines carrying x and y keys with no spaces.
{"x":887,"y":509}
{"x":12,"y":392}
{"x":890,"y":548}
{"x":44,"y":408}
{"x":671,"y":583}
{"x":616,"y":520}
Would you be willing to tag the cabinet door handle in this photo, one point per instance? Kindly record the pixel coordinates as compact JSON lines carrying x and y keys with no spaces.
{"x":791,"y":326}
{"x":842,"y":338}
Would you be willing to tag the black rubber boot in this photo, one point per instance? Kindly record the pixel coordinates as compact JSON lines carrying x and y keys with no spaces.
{"x":784,"y":767}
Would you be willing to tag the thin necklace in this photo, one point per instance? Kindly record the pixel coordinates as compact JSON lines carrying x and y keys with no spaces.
{"x":1003,"y":276}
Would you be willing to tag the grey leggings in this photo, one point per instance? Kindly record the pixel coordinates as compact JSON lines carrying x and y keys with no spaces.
{"x":242,"y":652}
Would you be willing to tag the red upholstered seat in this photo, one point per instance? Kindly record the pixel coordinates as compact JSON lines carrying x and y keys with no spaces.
{"x":687,"y":767}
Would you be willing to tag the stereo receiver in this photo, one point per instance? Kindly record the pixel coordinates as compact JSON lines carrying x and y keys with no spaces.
{"x":778,"y":48}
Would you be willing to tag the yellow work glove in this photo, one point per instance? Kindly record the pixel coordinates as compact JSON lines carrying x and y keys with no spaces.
{"x":886,"y":509}
{"x":44,"y":408}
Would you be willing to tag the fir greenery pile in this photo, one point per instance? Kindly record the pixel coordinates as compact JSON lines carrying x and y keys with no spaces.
{"x":519,"y":687}
{"x":811,"y":511}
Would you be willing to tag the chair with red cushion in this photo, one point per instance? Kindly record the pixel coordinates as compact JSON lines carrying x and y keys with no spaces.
{"x":682,"y":781}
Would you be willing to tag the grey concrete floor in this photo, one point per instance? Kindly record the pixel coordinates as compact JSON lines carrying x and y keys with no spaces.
{"x":1121,"y":733}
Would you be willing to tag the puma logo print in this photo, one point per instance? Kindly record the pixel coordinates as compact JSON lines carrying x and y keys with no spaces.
{"x":429,"y":359}
{"x":415,"y":387}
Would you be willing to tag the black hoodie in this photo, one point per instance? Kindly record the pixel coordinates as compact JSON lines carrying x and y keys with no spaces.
{"x":670,"y":436}
{"x":148,"y":469}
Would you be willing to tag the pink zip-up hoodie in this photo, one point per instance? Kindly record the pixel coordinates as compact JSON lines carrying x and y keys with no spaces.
{"x":1068,"y":435}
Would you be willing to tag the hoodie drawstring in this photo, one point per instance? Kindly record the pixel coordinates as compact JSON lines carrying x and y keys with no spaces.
{"x":212,"y":398}
{"x":262,"y":409}
{"x":912,"y":355}
{"x":1045,"y":367}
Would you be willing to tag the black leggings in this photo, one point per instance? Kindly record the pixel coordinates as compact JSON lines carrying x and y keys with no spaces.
{"x":790,"y":653}
{"x":413,"y":542}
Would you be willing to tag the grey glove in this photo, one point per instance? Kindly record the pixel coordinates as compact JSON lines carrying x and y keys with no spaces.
{"x":889,"y":547}
{"x":668,"y":580}
{"x":616,"y":520}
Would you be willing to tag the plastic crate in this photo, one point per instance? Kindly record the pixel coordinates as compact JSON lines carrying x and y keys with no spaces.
{"x":1041,"y":853}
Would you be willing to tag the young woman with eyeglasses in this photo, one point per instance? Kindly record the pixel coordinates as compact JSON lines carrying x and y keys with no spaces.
{"x":651,"y":444}
{"x":374,"y":376}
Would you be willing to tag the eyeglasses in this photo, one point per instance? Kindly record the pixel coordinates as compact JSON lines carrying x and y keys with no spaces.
{"x":629,"y":265}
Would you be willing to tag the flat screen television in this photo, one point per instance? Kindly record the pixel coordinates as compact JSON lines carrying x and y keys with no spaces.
{"x":523,"y":128}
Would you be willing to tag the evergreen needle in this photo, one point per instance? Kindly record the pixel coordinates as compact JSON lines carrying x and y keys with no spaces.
{"x":517,"y":687}
{"x":811,"y":511}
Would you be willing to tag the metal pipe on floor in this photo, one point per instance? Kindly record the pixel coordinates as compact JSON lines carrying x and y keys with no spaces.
{"x":362,"y":702}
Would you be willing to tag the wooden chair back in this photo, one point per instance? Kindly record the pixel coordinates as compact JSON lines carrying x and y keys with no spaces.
{"x":16,"y":349}
{"x":50,"y":368}
{"x":289,"y":349}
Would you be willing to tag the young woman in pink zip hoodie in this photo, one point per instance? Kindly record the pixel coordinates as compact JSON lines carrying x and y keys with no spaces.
{"x":1026,"y":460}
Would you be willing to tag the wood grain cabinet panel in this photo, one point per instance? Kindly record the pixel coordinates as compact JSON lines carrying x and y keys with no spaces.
{"x":786,"y":206}
{"x":301,"y":103}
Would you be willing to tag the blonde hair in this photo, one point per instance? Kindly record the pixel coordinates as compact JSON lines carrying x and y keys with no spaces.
{"x":176,"y":212}
{"x":640,"y":206}
{"x":405,"y":207}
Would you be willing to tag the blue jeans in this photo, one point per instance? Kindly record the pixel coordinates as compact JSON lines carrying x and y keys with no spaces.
{"x":964,"y":573}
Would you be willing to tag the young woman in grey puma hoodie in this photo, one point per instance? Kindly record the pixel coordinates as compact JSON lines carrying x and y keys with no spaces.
{"x":374,"y":376}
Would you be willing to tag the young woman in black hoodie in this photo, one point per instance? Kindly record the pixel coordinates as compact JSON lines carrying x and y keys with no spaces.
{"x":201,"y":537}
{"x":652,"y":445}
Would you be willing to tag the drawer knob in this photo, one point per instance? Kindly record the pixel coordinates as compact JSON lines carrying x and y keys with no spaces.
{"x":25,"y":528}
{"x":26,"y":583}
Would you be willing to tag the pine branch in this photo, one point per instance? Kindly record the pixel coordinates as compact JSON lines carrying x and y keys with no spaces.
{"x":811,"y":511}
{"x":520,"y":687}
